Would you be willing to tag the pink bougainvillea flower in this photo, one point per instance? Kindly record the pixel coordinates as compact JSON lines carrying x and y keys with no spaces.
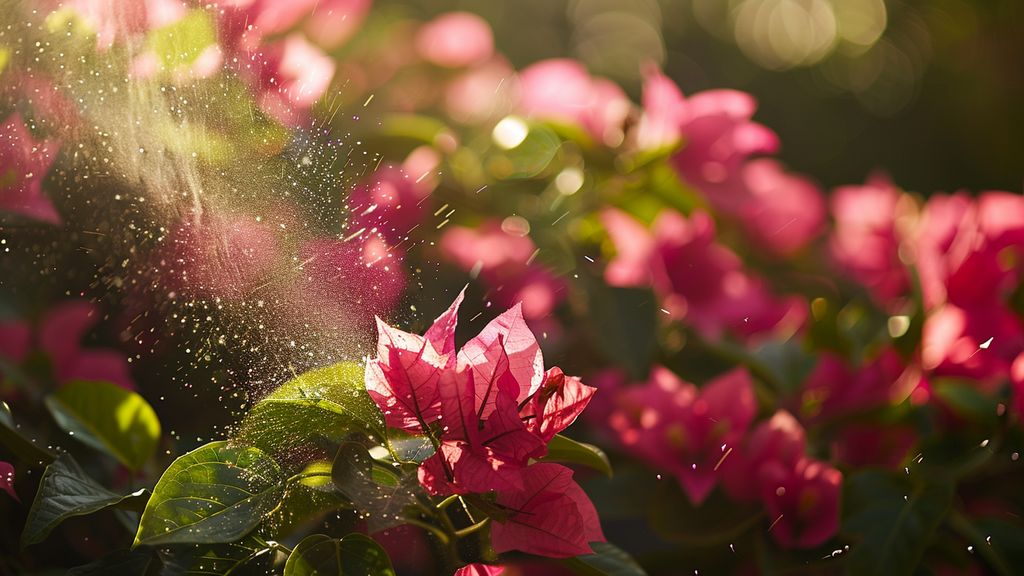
{"x":60,"y":335}
{"x":550,"y":516}
{"x":404,"y":377}
{"x":865,"y":241}
{"x":978,"y":343}
{"x":7,"y":479}
{"x":482,"y":93}
{"x":698,"y":279}
{"x":778,"y":440}
{"x":1017,"y":385}
{"x":781,"y":212}
{"x":480,"y":570}
{"x":455,"y":40}
{"x":664,"y":112}
{"x":802,"y":502}
{"x":835,"y":388}
{"x":24,"y":162}
{"x":682,"y":429}
{"x":389,"y":203}
{"x":563,"y":91}
{"x":556,"y":404}
{"x":504,"y":259}
{"x":291,"y":75}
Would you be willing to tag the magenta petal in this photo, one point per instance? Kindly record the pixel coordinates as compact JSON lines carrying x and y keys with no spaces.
{"x":508,"y":335}
{"x":549,"y":517}
{"x":474,"y":470}
{"x":7,"y":479}
{"x":403,"y":379}
{"x":508,"y":437}
{"x":61,"y":332}
{"x":15,"y":340}
{"x":479,"y":570}
{"x":441,"y":333}
{"x":98,"y":366}
{"x":556,"y":405}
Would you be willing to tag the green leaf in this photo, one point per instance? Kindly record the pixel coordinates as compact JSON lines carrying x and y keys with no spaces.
{"x":121,"y":563}
{"x":108,"y":418}
{"x":373,"y":488}
{"x":326,"y":403}
{"x":1002,"y":546}
{"x":251,"y":552}
{"x":716,"y":522}
{"x":66,"y":491}
{"x":565,"y":449}
{"x":607,"y":560}
{"x":216,"y":493}
{"x":625,"y":324}
{"x":17,"y":443}
{"x":181,"y":43}
{"x":966,"y":400}
{"x":891,"y":520}
{"x":353,"y":555}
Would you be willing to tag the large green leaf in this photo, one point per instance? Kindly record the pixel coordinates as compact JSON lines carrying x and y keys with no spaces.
{"x":249,"y":555}
{"x":216,"y":493}
{"x":353,"y":555}
{"x":607,"y":560}
{"x":66,"y":491}
{"x":16,"y":442}
{"x":891,"y":520}
{"x":326,"y":403}
{"x":565,"y":449}
{"x":121,"y":563}
{"x":372,"y":487}
{"x":108,"y":418}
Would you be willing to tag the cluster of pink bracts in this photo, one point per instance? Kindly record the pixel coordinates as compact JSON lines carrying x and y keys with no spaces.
{"x":491,"y":409}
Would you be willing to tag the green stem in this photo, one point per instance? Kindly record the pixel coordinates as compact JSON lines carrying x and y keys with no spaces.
{"x":962,"y":526}
{"x":446,"y":502}
{"x":471,"y":529}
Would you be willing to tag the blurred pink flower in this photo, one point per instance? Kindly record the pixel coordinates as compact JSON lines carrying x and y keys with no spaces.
{"x":874,"y":445}
{"x":7,"y":479}
{"x":24,"y":162}
{"x":59,"y":336}
{"x":664,"y":112}
{"x":479,"y":570}
{"x":292,"y":75}
{"x":778,"y":440}
{"x":504,"y":261}
{"x":865,"y":241}
{"x":780,"y":212}
{"x":1017,"y":385}
{"x":697,"y":279}
{"x":224,"y":256}
{"x":455,"y":40}
{"x":482,"y":93}
{"x":802,"y":502}
{"x":682,"y":429}
{"x":835,"y":388}
{"x":551,"y":515}
{"x":562,"y":90}
{"x":389,"y":203}
{"x":978,"y":343}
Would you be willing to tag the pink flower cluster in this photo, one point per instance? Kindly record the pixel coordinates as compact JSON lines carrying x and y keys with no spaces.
{"x":702,"y":436}
{"x":24,"y":162}
{"x":966,"y":253}
{"x":58,"y":336}
{"x":491,"y":409}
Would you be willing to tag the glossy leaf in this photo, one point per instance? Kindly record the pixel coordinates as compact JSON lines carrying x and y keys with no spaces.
{"x":566,"y":450}
{"x":326,"y":403}
{"x":216,"y":493}
{"x":107,"y":418}
{"x":121,"y":563}
{"x":372,"y":487}
{"x":891,"y":521}
{"x":251,"y":552}
{"x":66,"y":491}
{"x":353,"y":555}
{"x":607,"y":560}
{"x":17,"y":443}
{"x":625,"y":325}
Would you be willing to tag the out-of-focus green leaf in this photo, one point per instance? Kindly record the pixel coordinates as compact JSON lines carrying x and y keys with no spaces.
{"x":624,"y":324}
{"x":1001,"y":544}
{"x":717,"y":521}
{"x":567,"y":450}
{"x":17,"y":443}
{"x":216,"y":493}
{"x":353,"y":555}
{"x":181,"y":43}
{"x":967,"y":400}
{"x":891,"y":520}
{"x":530,"y":157}
{"x":326,"y":403}
{"x":121,"y":563}
{"x":66,"y":491}
{"x":108,"y":418}
{"x":607,"y":560}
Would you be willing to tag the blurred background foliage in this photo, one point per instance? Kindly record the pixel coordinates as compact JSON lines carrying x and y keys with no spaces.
{"x":929,"y":91}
